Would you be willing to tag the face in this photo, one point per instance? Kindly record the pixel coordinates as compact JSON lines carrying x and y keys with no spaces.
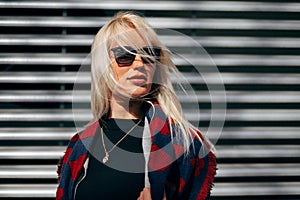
{"x":134,"y":78}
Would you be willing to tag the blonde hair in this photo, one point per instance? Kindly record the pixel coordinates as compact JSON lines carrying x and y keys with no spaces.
{"x":103,"y":80}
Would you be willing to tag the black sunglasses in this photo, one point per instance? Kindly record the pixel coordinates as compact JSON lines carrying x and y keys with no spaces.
{"x":125,"y":56}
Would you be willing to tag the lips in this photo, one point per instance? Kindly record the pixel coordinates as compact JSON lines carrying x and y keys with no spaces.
{"x":138,"y":79}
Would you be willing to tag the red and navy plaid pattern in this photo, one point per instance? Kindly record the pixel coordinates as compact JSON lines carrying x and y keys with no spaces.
{"x":178,"y":175}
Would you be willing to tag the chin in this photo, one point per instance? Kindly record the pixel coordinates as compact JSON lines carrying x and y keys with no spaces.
{"x":140,"y":92}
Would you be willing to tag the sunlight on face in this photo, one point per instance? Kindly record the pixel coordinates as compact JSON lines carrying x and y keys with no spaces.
{"x":135,"y":79}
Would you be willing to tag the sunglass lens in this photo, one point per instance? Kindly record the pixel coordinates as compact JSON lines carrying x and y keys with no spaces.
{"x":123,"y":57}
{"x":152,"y":54}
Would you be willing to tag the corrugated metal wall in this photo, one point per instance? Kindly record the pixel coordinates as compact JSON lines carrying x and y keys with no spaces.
{"x":254,"y":44}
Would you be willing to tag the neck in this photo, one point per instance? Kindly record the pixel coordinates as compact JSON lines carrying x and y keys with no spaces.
{"x":130,"y":109}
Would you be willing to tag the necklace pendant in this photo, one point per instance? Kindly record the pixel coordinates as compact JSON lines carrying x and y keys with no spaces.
{"x":105,"y":159}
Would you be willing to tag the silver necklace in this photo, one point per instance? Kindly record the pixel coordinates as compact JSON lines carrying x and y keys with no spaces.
{"x":106,"y":157}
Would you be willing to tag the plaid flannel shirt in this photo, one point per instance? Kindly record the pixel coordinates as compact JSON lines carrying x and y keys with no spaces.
{"x":170,"y":172}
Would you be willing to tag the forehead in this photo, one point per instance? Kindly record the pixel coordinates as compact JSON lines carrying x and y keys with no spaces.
{"x":129,"y":37}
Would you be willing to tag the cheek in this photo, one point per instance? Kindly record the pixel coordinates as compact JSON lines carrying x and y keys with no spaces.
{"x":118,"y":72}
{"x":151,"y":74}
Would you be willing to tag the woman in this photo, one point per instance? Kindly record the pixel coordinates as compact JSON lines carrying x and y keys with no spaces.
{"x":139,"y":146}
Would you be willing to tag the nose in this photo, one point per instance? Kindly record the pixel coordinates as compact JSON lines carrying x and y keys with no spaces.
{"x":138,"y":62}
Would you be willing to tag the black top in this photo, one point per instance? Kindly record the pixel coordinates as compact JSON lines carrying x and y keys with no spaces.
{"x":117,"y":178}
